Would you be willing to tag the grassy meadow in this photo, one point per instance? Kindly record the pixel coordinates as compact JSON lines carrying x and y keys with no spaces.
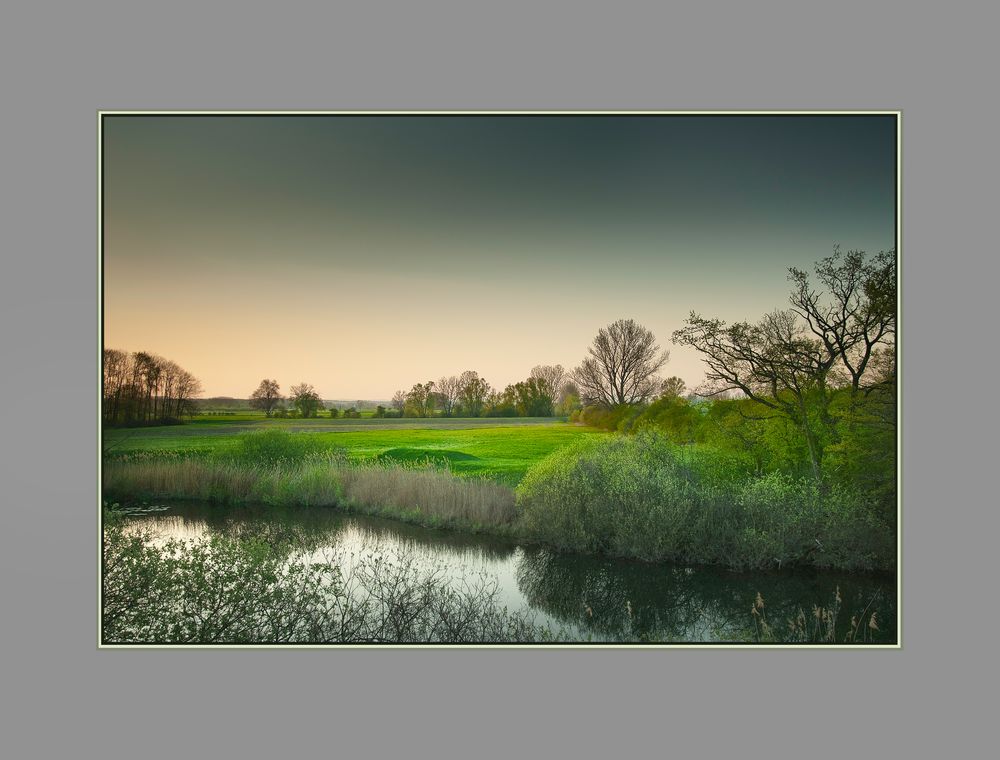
{"x":499,"y":449}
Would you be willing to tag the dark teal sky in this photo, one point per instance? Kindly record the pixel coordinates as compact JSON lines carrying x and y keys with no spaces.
{"x":489,"y":242}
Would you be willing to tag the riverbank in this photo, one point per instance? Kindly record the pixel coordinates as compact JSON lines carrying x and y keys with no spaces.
{"x":563,"y":596}
{"x":420,"y":495}
{"x":633,"y":497}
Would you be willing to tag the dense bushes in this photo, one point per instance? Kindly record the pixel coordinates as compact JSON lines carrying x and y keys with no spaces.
{"x":643,"y":496}
{"x":269,"y":447}
{"x":256,"y":590}
{"x":855,"y":436}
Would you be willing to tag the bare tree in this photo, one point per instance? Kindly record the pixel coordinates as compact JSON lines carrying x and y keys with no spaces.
{"x":550,"y":377}
{"x":399,"y":402}
{"x":266,"y":397}
{"x":622,"y":365}
{"x":142,"y":388}
{"x":856,"y":317}
{"x":448,"y":389}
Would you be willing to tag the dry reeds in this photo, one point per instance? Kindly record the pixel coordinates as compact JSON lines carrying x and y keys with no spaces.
{"x":420,"y":493}
{"x":433,"y":493}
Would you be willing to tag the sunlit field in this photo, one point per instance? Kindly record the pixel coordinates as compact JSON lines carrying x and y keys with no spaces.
{"x":502,"y":449}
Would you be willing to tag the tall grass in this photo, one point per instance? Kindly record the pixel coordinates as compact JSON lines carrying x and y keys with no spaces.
{"x":431,"y":493}
{"x":418,"y":494}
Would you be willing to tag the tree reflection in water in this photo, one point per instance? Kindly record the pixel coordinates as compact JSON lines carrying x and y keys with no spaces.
{"x":586,"y":597}
{"x":608,"y":599}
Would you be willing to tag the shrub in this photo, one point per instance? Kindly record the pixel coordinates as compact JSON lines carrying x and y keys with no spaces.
{"x":259,"y":589}
{"x":273,"y":447}
{"x":643,"y":496}
{"x":614,"y":418}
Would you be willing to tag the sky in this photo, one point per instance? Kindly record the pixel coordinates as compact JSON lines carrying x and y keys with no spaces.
{"x":363,"y":254}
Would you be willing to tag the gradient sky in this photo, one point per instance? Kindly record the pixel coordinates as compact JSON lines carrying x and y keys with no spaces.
{"x":363,"y":254}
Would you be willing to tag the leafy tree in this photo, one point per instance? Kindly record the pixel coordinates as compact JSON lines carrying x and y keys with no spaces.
{"x":534,"y":398}
{"x":569,"y":401}
{"x":498,"y":404}
{"x":267,"y":397}
{"x":622,"y":365}
{"x":472,"y":394}
{"x":672,"y":387}
{"x":568,"y":388}
{"x":305,"y":399}
{"x":419,"y":401}
{"x":791,"y":361}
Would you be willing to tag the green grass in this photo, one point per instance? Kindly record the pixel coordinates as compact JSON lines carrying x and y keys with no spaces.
{"x":500,"y":449}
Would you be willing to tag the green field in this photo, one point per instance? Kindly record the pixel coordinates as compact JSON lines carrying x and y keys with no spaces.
{"x":497,"y":448}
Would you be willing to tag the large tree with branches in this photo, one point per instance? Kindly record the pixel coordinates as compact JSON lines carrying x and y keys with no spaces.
{"x":622,"y":366}
{"x":267,"y":397}
{"x":839,"y":335}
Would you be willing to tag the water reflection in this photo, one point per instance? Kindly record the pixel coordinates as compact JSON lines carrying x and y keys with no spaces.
{"x":586,"y":598}
{"x":630,"y":601}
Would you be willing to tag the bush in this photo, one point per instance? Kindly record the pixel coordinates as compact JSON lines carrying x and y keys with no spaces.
{"x":273,"y":447}
{"x":262,"y":589}
{"x":643,"y":496}
{"x":610,"y":418}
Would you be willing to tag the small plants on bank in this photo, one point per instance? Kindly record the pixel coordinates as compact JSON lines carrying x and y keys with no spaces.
{"x":818,"y":625}
{"x":268,"y":589}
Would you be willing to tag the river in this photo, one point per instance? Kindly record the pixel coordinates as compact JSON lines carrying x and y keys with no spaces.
{"x":585,"y":598}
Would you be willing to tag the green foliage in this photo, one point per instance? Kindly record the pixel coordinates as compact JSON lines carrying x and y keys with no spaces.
{"x":607,"y":418}
{"x":268,"y":447}
{"x":533,"y":398}
{"x":646,"y":497}
{"x":502,"y":449}
{"x":501,"y":404}
{"x":568,"y":405}
{"x":306,"y":400}
{"x":420,"y":401}
{"x":266,"y":589}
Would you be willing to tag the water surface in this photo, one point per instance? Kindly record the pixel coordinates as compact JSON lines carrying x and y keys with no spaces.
{"x":586,"y":598}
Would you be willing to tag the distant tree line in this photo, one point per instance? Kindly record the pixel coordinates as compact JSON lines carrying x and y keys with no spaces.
{"x":145,"y":389}
{"x":546,"y":392}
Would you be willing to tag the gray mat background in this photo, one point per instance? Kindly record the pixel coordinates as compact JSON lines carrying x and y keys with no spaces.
{"x":62,"y":697}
